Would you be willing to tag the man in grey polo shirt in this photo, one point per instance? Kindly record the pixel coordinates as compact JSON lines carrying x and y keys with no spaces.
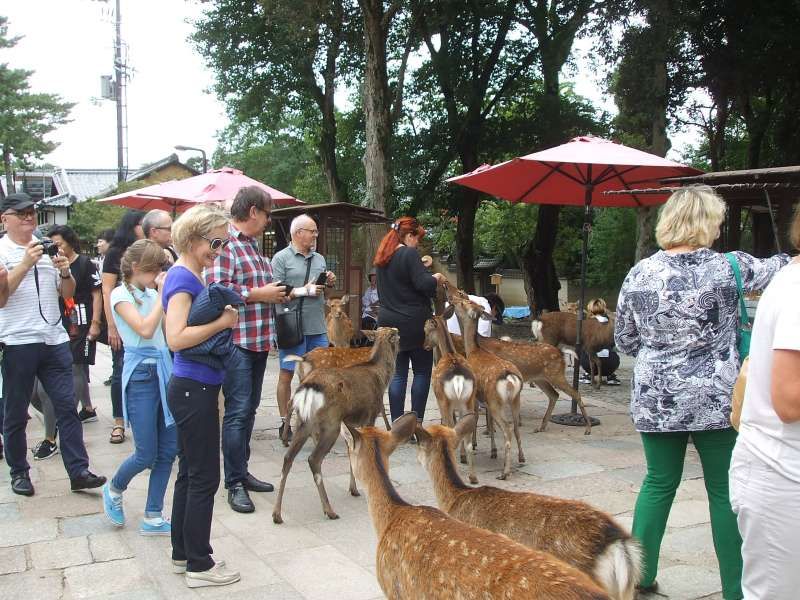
{"x":289,"y":266}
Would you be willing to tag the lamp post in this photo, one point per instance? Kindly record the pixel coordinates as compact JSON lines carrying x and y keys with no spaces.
{"x":200,"y":150}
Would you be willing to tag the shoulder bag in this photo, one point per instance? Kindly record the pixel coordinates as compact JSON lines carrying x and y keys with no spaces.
{"x":745,"y":329}
{"x":289,"y":322}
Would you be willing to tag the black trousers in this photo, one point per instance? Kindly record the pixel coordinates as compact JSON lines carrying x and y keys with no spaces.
{"x":117,"y":359}
{"x":194,"y":406}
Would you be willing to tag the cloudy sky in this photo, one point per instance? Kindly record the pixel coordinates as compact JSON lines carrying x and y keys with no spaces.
{"x":69,"y":45}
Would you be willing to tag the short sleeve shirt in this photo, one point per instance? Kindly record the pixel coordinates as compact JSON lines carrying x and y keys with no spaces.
{"x":87,"y":279}
{"x":146,"y":301}
{"x":290,"y":266}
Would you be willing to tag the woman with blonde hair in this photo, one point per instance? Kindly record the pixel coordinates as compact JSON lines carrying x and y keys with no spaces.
{"x":677,"y":314}
{"x":199,"y":235}
{"x":765,"y":469}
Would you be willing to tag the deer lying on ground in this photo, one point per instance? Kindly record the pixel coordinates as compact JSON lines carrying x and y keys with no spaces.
{"x":426,"y":555}
{"x":453,"y":381}
{"x":570,"y":530}
{"x":499,"y":381}
{"x":561,"y":329}
{"x":338,"y":323}
{"x":329,"y":397}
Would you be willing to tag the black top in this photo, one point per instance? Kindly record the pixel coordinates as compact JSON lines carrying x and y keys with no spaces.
{"x":405,"y":288}
{"x":87,"y":280}
{"x":112,"y":260}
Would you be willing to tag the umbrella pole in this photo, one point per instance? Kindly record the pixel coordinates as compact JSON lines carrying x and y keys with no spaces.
{"x":573,"y":418}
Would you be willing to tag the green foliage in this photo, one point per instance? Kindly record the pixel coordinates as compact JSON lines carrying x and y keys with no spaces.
{"x":89,"y":218}
{"x":612,"y":246}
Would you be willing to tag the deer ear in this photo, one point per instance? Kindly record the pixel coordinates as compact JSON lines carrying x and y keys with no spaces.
{"x":448,"y":312}
{"x":466,"y":425}
{"x":345,"y":299}
{"x":486,"y":316}
{"x":328,"y":303}
{"x":423,"y":437}
{"x":350,"y":435}
{"x":403,"y":427}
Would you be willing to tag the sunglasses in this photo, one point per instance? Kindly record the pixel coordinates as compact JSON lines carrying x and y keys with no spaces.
{"x":216,"y":243}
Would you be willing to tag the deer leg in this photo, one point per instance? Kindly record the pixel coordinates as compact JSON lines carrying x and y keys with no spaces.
{"x":298,"y":441}
{"x":385,"y":418}
{"x":506,"y":428}
{"x":552,"y":397}
{"x":515,"y":417}
{"x":595,"y":364}
{"x":575,"y":395}
{"x":327,"y":438}
{"x":353,"y":487}
{"x":490,"y":428}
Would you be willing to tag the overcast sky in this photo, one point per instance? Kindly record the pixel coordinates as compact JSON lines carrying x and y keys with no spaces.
{"x":69,"y":45}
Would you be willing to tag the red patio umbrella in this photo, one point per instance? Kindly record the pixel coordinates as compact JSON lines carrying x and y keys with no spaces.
{"x":577,"y":173}
{"x":219,"y":185}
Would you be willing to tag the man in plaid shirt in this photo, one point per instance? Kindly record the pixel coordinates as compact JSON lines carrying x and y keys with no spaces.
{"x":242,"y":268}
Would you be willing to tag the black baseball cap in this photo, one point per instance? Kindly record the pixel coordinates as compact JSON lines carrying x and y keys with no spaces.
{"x":17,"y":201}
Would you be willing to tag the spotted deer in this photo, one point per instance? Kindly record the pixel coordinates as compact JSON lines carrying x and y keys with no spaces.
{"x":573,"y":531}
{"x":426,"y":555}
{"x":453,"y":380}
{"x":338,"y":323}
{"x":499,"y":381}
{"x":329,"y":397}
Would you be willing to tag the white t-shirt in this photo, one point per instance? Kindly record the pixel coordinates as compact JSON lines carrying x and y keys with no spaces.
{"x":484,"y":326}
{"x":777,"y":327}
{"x":20,"y":321}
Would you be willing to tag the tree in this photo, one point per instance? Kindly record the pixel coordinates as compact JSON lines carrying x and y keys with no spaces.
{"x":90,"y":218}
{"x":26,"y":118}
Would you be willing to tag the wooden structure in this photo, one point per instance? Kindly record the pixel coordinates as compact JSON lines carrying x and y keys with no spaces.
{"x":336,"y":222}
{"x":766,"y":196}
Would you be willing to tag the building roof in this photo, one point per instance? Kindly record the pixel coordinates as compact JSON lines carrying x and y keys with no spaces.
{"x":172,"y":159}
{"x":62,"y":200}
{"x":358,"y":214}
{"x":84,"y":183}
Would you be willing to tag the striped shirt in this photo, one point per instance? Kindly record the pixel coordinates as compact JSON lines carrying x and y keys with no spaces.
{"x":241,"y":267}
{"x":20,"y":321}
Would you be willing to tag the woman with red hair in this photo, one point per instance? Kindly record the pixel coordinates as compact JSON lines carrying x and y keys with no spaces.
{"x":405,"y":288}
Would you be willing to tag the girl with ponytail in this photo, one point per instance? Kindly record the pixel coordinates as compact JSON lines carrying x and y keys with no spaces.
{"x":405,"y":289}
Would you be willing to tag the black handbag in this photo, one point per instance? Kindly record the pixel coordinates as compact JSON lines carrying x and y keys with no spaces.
{"x":289,"y":321}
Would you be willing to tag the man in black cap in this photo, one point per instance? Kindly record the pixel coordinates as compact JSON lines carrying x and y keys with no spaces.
{"x":36,"y":345}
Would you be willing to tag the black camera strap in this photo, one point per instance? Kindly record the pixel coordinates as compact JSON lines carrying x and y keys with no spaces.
{"x":39,"y":298}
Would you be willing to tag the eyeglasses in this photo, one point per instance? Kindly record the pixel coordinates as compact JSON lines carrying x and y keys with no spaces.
{"x":164,"y":228}
{"x":23,"y":215}
{"x":216,"y":243}
{"x":311,"y":231}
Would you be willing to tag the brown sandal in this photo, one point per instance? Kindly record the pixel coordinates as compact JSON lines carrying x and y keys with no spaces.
{"x":117,"y":438}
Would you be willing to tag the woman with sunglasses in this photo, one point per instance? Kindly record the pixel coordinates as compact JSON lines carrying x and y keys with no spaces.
{"x":199,"y":236}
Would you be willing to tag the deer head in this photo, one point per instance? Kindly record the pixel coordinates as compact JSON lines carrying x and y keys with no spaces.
{"x":438,"y":438}
{"x":359,"y":449}
{"x":436,"y":327}
{"x":337,"y":307}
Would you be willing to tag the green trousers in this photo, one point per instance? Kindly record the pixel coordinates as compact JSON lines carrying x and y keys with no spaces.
{"x":665,"y":454}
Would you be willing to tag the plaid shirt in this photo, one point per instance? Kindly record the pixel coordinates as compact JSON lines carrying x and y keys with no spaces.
{"x":241,"y":268}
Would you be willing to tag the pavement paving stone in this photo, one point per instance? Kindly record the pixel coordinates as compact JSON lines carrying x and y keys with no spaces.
{"x":27,"y":531}
{"x":688,"y":581}
{"x":109,"y":546}
{"x":71,"y":505}
{"x":560,"y":469}
{"x":9,"y":511}
{"x":13,"y":560}
{"x":103,"y":579}
{"x":85,"y":525}
{"x":686,"y":513}
{"x":60,"y":553}
{"x":41,"y":585}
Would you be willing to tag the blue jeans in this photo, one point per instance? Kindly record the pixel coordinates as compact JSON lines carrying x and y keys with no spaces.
{"x":242,"y":391}
{"x":155,"y":444}
{"x":53,"y":366}
{"x":309,"y":342}
{"x":422,"y":364}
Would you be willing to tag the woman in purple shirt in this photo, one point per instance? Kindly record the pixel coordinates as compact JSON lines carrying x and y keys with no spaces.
{"x":199,"y":236}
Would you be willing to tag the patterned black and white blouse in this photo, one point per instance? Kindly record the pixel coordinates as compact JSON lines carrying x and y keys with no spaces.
{"x":677,"y":314}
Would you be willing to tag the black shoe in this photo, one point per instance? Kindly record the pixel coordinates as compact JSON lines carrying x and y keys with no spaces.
{"x":87,"y":416}
{"x":44,"y":450}
{"x":21,"y":484}
{"x":239,"y":499}
{"x":86,"y":481}
{"x":646,"y":590}
{"x":612,"y":380}
{"x":253,"y":484}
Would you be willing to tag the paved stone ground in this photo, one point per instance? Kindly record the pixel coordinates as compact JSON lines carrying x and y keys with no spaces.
{"x":58,"y":544}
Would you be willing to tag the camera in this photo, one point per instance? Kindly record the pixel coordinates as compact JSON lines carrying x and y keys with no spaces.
{"x":49,"y":246}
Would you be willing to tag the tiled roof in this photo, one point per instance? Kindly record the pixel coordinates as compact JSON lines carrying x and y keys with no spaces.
{"x":84,"y":183}
{"x":172,"y":159}
{"x":62,"y":200}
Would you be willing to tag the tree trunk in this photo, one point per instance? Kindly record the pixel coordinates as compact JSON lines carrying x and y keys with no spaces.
{"x":9,"y":171}
{"x":327,"y":155}
{"x":465,"y":241}
{"x":377,"y":106}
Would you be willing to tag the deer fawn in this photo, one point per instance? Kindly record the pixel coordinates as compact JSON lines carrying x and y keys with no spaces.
{"x":453,"y":381}
{"x":499,"y":381}
{"x":425,"y":555}
{"x":329,"y":397}
{"x":338,"y":323}
{"x":570,"y":530}
{"x":558,"y":328}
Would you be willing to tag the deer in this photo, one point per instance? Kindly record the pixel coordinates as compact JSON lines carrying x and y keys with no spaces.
{"x":570,"y":530}
{"x":329,"y":397}
{"x":454,"y":382}
{"x":427,"y":555}
{"x":499,"y":382}
{"x":338,"y":323}
{"x":558,"y":328}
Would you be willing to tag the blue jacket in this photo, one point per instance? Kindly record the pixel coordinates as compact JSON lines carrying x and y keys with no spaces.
{"x":207,"y":306}
{"x":134,"y":356}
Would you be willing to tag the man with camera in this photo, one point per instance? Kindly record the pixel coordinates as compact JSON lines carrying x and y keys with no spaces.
{"x":37,"y":345}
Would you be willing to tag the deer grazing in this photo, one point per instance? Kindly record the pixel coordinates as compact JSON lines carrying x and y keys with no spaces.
{"x":558,"y":328}
{"x":570,"y":530}
{"x":426,"y":555}
{"x":338,"y":323}
{"x":499,"y":381}
{"x":454,"y":383}
{"x":329,"y":397}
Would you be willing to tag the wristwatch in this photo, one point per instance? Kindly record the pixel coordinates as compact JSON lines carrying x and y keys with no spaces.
{"x":67,"y":276}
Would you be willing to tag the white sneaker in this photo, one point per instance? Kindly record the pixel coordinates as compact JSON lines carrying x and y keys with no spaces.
{"x":216,"y":575}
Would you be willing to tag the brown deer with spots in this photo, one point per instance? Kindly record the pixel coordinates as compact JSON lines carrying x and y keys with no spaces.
{"x":423,"y":554}
{"x":338,"y":323}
{"x":453,"y":382}
{"x":570,"y":530}
{"x":329,"y":397}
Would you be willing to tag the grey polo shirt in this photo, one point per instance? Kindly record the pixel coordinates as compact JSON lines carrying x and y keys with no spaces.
{"x":289,"y":266}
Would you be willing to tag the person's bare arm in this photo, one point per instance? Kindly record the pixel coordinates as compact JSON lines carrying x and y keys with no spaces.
{"x":3,"y":285}
{"x":109,"y":283}
{"x":32,"y":255}
{"x":61,"y":263}
{"x":785,"y":386}
{"x":180,"y":335}
{"x":97,"y":309}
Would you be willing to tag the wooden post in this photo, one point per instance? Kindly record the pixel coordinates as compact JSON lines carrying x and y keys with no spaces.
{"x":734,"y":228}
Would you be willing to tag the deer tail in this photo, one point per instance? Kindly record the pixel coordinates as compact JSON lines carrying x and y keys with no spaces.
{"x":536,"y":329}
{"x":618,"y":568}
{"x":509,"y":386}
{"x":307,"y":400}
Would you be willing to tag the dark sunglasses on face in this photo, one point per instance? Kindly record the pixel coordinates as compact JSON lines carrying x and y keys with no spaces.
{"x":216,"y":243}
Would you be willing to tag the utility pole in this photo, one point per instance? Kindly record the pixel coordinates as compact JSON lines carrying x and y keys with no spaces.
{"x":119,"y":85}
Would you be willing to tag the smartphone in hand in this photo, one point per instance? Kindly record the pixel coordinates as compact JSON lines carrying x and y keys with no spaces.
{"x":288,"y":287}
{"x":322,"y":278}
